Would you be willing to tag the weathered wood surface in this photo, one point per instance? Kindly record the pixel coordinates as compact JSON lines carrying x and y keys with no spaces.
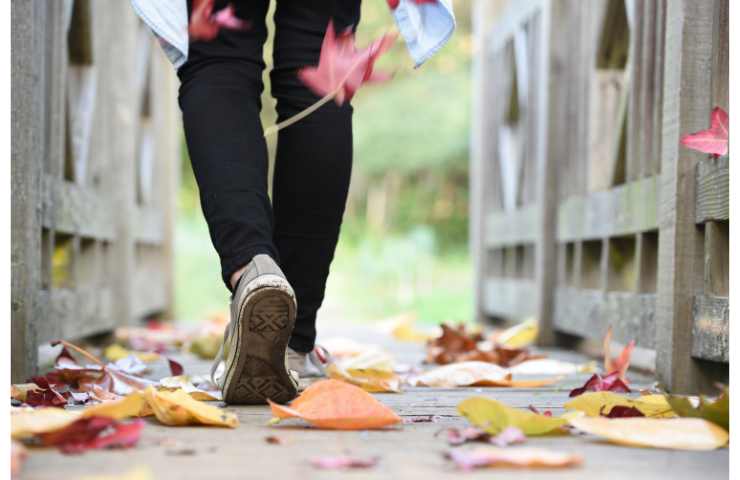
{"x":513,"y":228}
{"x":711,"y":329}
{"x":26,"y":150}
{"x":509,"y":297}
{"x":627,"y":209}
{"x":588,"y":313}
{"x":94,"y":152}
{"x":712,"y":189}
{"x":408,"y":451}
{"x":689,"y":33}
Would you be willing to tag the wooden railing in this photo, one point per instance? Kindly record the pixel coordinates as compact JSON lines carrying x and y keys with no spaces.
{"x":94,"y":154}
{"x":628,"y":229}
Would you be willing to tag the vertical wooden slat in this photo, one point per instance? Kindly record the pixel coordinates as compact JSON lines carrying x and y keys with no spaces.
{"x":635,"y":117}
{"x":122,"y":26}
{"x":28,"y":26}
{"x":686,"y":107}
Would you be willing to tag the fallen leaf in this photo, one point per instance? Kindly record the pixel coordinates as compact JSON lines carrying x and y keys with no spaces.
{"x":482,"y":374}
{"x":620,"y":411}
{"x":519,"y":336}
{"x":185,"y":382}
{"x":19,"y":391}
{"x":132,"y":405}
{"x":342,"y":69}
{"x":206,"y":346}
{"x":595,"y":404}
{"x":466,"y":459}
{"x":369,"y":380}
{"x":205,"y":24}
{"x":597,"y":383}
{"x":670,"y":433}
{"x":548,"y":366}
{"x":175,"y":367}
{"x":179,"y":408}
{"x":332,"y":404}
{"x":116,"y":352}
{"x":92,"y":433}
{"x":343,"y":462}
{"x":25,"y":423}
{"x":18,"y":455}
{"x":622,"y":362}
{"x":494,"y":416}
{"x":403,"y":329}
{"x":45,"y":395}
{"x":713,"y":140}
{"x":508,"y":436}
{"x":458,"y":345}
{"x":717,"y":411}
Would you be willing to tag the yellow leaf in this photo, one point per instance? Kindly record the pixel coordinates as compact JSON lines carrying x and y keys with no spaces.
{"x":116,"y":352}
{"x":186,"y":383}
{"x":132,"y":405}
{"x":206,"y":346}
{"x":594,"y":404}
{"x":519,"y":336}
{"x":493,"y":416}
{"x":402,"y":329}
{"x":370,"y":380}
{"x":28,"y":422}
{"x":671,"y":433}
{"x":179,"y":408}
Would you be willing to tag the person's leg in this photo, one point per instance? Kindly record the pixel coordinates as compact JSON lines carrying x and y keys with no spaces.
{"x":314,"y":158}
{"x":220,"y":102}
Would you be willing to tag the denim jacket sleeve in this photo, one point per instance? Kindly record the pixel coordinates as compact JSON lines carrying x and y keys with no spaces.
{"x":425,"y":27}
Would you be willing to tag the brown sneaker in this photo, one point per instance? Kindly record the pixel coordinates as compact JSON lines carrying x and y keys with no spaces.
{"x":263,"y":311}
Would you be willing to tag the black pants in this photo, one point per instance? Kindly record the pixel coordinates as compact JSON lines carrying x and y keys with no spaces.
{"x":220,"y":92}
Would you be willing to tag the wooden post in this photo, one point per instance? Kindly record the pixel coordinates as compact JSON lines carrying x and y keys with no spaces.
{"x":546,"y":248}
{"x":27,"y":81}
{"x":689,"y":28}
{"x":122,"y":24}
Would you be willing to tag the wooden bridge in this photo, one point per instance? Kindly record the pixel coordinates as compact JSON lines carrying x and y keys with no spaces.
{"x":585,"y":210}
{"x":581,"y":194}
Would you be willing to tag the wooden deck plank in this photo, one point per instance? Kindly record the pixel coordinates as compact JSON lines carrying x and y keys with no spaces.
{"x":407,"y":451}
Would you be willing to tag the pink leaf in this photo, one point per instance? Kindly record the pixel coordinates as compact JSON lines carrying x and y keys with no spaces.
{"x":205,"y":25}
{"x":597,"y":383}
{"x":342,"y":69}
{"x":343,"y":462}
{"x":93,"y":433}
{"x":714,"y":139}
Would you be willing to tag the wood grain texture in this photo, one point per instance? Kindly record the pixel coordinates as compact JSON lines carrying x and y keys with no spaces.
{"x":510,"y":298}
{"x":26,"y":149}
{"x":588,"y":313}
{"x":711,"y":328}
{"x":688,"y":51}
{"x":627,"y":209}
{"x":712,"y":189}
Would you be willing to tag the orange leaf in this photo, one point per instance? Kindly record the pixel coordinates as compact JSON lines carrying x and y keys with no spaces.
{"x":622,"y":362}
{"x":332,"y":404}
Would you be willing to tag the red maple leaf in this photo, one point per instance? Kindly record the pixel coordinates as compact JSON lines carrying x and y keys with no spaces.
{"x":714,"y":139}
{"x":621,"y":411}
{"x":622,"y":362}
{"x":393,"y":4}
{"x":205,"y":24}
{"x":597,"y":383}
{"x":342,"y":69}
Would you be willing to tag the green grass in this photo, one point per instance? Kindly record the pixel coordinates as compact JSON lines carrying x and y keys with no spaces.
{"x":372,"y":278}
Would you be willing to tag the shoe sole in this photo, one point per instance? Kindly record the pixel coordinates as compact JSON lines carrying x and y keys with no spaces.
{"x":258,"y":372}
